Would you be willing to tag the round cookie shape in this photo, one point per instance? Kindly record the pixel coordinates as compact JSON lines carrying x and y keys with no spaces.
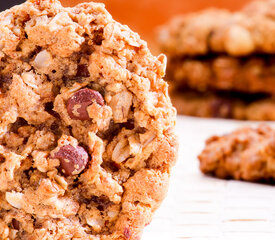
{"x":87,"y":138}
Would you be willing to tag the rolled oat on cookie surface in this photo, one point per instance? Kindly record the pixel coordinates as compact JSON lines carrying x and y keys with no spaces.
{"x":86,"y":125}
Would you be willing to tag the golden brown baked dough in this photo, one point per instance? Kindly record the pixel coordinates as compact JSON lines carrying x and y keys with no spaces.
{"x":241,"y":33}
{"x":86,"y":125}
{"x":245,"y":154}
{"x":253,"y":74}
{"x":224,"y":105}
{"x":215,"y":50}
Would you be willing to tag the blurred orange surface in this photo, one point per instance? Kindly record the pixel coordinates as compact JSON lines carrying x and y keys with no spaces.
{"x":143,"y":16}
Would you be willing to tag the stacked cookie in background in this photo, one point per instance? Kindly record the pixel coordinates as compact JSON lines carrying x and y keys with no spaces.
{"x":222,"y":64}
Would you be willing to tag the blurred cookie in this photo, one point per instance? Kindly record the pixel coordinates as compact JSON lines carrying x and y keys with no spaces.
{"x":224,"y":105}
{"x":242,"y":33}
{"x":246,"y":154}
{"x":216,"y":51}
{"x":255,"y":74}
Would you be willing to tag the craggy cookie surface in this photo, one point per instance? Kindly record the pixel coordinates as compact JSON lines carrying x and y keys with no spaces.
{"x":247,"y":154}
{"x":86,"y":125}
{"x":241,"y":33}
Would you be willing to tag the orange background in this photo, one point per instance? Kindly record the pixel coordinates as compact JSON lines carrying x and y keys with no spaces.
{"x":143,"y":16}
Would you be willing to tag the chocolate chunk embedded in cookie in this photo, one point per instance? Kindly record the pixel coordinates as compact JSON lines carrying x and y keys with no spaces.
{"x":86,"y":125}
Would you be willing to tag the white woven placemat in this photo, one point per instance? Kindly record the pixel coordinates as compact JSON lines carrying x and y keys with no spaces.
{"x":200,"y":207}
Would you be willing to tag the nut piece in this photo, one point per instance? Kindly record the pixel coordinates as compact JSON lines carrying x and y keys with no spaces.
{"x":43,"y":59}
{"x":78,"y":103}
{"x":14,"y":199}
{"x":96,"y":224}
{"x":239,"y":41}
{"x":73,"y":160}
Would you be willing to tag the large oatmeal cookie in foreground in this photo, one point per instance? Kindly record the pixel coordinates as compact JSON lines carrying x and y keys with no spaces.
{"x":86,"y":125}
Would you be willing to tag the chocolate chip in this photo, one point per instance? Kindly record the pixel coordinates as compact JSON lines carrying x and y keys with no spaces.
{"x":221,"y":108}
{"x":141,"y":130}
{"x":20,"y":122}
{"x":102,"y":202}
{"x":2,"y":159}
{"x":70,"y":80}
{"x":41,"y":126}
{"x":98,"y":37}
{"x":54,"y":127}
{"x":130,"y":124}
{"x":5,"y":81}
{"x":38,"y":226}
{"x":112,"y":131}
{"x":82,"y":71}
{"x":73,"y":160}
{"x":35,"y":52}
{"x":78,"y":103}
{"x":15,"y":224}
{"x":49,"y":109}
{"x":84,"y":200}
{"x":86,"y":48}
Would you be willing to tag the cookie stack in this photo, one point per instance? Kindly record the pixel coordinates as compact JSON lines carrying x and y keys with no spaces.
{"x":222,"y":64}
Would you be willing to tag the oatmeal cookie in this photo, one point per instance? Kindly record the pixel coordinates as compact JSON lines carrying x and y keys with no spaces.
{"x":246,"y":154}
{"x":247,"y":75}
{"x":224,"y":105}
{"x":242,"y":33}
{"x":217,"y":51}
{"x":86,"y":125}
